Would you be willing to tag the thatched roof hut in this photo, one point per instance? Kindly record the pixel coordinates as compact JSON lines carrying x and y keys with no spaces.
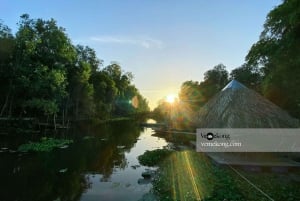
{"x":236,"y":106}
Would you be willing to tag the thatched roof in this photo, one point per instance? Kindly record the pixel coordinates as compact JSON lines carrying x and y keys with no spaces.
{"x":236,"y":106}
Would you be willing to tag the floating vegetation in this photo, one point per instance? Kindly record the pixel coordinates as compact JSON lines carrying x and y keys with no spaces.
{"x":188,"y":175}
{"x":64,"y":147}
{"x":44,"y":145}
{"x":153,"y":158}
{"x":4,"y":149}
{"x":63,"y":170}
{"x":115,"y":185}
{"x":88,"y":137}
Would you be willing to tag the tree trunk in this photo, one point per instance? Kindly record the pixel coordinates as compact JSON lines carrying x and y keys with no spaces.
{"x":54,"y":121}
{"x":76,"y":108}
{"x":63,"y":117}
{"x":66,"y":110}
{"x":5,"y":105}
{"x":7,"y":100}
{"x":11,"y":106}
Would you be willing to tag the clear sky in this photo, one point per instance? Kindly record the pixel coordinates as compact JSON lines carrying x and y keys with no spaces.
{"x":162,"y":42}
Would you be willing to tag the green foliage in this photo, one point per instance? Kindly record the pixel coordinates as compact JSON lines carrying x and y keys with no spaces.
{"x":7,"y":71}
{"x":161,"y":112}
{"x":140,"y":103}
{"x":251,"y":76}
{"x":45,"y":145}
{"x":214,"y":80}
{"x":41,"y":54}
{"x":191,"y":94}
{"x":277,"y":55}
{"x":48,"y":107}
{"x":42,"y":73}
{"x":6,"y":41}
{"x":81,"y":90}
{"x":153,"y":158}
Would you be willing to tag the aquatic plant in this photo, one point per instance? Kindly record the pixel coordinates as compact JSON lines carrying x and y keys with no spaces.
{"x":153,"y":158}
{"x":188,"y":175}
{"x":44,"y":145}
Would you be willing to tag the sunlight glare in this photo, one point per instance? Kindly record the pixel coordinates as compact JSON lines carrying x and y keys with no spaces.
{"x":171,"y":98}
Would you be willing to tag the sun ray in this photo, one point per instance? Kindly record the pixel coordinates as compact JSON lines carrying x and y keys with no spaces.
{"x":171,"y":98}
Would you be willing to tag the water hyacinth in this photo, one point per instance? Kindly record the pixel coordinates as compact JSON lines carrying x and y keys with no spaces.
{"x":44,"y":145}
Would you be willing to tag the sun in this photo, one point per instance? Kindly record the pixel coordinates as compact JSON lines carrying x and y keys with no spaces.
{"x":171,"y":98}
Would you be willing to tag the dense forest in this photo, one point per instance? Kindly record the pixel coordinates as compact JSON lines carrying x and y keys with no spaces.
{"x":272,"y":68}
{"x":43,"y":75}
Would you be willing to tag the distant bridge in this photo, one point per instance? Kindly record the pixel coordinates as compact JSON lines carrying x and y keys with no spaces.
{"x":153,"y":125}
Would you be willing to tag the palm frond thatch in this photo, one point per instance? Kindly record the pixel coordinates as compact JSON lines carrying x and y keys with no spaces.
{"x":236,"y":106}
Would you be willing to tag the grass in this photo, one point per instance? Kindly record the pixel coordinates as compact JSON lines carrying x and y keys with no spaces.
{"x":190,"y":176}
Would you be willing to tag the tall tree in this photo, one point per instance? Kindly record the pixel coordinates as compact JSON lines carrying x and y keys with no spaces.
{"x":7,"y":70}
{"x":125,"y":91}
{"x":214,"y":80}
{"x":191,"y":94}
{"x":80,"y":102}
{"x":43,"y":74}
{"x":251,"y":76}
{"x":105,"y":92}
{"x":277,"y":53}
{"x":42,"y":55}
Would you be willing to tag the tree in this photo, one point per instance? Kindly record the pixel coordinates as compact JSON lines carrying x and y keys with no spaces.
{"x":214,"y":80}
{"x":43,"y":74}
{"x":7,"y":70}
{"x":88,"y":55}
{"x":277,"y":53}
{"x":162,"y":112}
{"x":125,"y":91}
{"x":80,"y":103}
{"x":191,"y":95}
{"x":250,"y":76}
{"x":42,"y":55}
{"x":140,"y":103}
{"x":105,"y":92}
{"x":82,"y":92}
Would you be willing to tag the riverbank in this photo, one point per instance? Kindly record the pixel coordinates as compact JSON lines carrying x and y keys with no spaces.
{"x":204,"y":180}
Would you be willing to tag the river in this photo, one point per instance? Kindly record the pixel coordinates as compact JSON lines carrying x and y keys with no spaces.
{"x":101,"y":164}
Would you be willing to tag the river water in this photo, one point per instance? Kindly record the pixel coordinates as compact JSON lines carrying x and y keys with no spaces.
{"x":102,"y":166}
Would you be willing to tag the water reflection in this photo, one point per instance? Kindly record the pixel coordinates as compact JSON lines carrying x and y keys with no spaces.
{"x":103,"y":166}
{"x":123,"y":183}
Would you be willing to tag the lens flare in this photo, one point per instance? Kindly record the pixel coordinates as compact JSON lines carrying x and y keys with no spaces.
{"x":171,"y":98}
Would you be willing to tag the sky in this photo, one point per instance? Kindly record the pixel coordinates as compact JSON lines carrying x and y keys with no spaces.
{"x":162,"y":42}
